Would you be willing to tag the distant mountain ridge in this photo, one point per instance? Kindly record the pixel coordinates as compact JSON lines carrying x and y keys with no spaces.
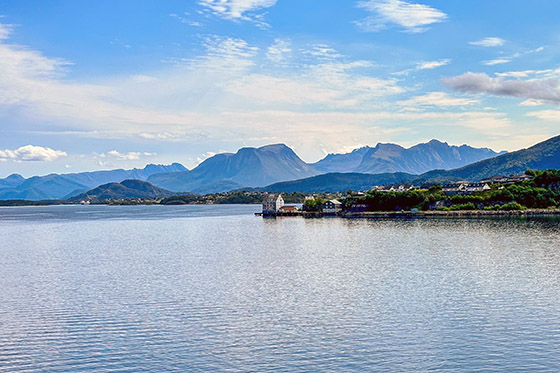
{"x":418,"y":159}
{"x":542,"y":156}
{"x":249,"y":167}
{"x":55,"y":186}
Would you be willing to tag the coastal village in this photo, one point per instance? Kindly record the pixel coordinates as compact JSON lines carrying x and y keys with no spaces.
{"x":274,"y":205}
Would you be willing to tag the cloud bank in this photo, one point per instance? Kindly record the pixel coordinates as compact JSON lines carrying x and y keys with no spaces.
{"x":412,"y":17}
{"x":538,"y":89}
{"x":31,"y":153}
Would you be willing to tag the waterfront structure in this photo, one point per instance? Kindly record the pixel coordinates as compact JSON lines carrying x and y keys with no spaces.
{"x":288,"y":209}
{"x":272,"y":203}
{"x":331,"y":207}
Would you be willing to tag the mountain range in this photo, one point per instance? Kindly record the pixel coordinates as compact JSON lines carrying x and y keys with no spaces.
{"x":249,"y":167}
{"x":273,"y":164}
{"x":542,"y":156}
{"x":418,"y":159}
{"x":55,"y":186}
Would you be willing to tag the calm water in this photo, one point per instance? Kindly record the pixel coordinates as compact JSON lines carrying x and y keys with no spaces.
{"x":214,"y":288}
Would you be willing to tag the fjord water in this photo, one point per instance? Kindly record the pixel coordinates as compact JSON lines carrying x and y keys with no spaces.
{"x":214,"y":288}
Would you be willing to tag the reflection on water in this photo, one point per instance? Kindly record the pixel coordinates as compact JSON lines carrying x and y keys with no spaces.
{"x":215,"y":288}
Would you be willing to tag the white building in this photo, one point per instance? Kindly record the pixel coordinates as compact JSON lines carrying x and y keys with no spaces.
{"x":464,"y":187}
{"x":476,"y":187}
{"x":455,"y":188}
{"x":272,"y":203}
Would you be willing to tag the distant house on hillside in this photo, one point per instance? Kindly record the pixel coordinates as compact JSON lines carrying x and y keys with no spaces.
{"x":454,"y":188}
{"x":404,"y":188}
{"x":272,"y":203}
{"x":463,"y":187}
{"x":331,"y":207}
{"x":512,"y":179}
{"x":476,"y":187}
{"x":395,"y":188}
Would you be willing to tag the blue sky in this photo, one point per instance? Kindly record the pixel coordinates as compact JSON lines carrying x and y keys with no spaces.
{"x":118,"y":84}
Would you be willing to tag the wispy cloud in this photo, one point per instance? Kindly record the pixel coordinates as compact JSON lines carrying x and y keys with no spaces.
{"x":186,"y":20}
{"x":334,"y":85}
{"x":497,"y":61}
{"x":538,"y":89}
{"x":527,"y":73}
{"x":130,"y":156}
{"x":238,"y":9}
{"x":489,"y":42}
{"x":428,"y":65}
{"x":322,"y":52}
{"x":508,"y":59}
{"x":548,"y":115}
{"x":279,"y":51}
{"x":438,"y":99}
{"x":5,"y":31}
{"x":531,"y":102}
{"x":224,"y":96}
{"x":31,"y":153}
{"x":225,"y":54}
{"x":412,"y":17}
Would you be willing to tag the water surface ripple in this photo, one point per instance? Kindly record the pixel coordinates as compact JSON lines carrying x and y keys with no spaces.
{"x":213,"y":288}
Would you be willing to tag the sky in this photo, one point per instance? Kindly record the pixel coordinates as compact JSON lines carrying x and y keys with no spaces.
{"x":90,"y":85}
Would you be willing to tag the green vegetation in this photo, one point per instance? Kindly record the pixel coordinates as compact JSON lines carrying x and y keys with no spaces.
{"x":542,"y":192}
{"x":313,"y":204}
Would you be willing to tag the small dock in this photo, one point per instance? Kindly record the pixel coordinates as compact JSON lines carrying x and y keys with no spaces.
{"x":279,"y":213}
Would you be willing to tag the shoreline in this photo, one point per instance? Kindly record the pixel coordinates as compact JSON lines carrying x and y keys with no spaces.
{"x":454,"y":214}
{"x":419,"y":214}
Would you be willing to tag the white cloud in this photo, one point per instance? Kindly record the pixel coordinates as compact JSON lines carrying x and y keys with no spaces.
{"x":537,"y":89}
{"x":531,"y":102}
{"x":279,"y":51}
{"x":508,"y":59}
{"x":548,"y":115}
{"x":433,"y":64}
{"x":322,"y":52}
{"x":426,"y":65}
{"x":5,"y":31}
{"x":131,"y":156}
{"x":31,"y":153}
{"x":438,"y":99}
{"x":497,"y":61}
{"x":489,"y":42}
{"x":334,"y":85}
{"x":238,"y":9}
{"x":225,"y":96}
{"x":186,"y":20}
{"x":412,"y":17}
{"x":224,"y":54}
{"x":140,"y":78}
{"x":527,"y":73}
